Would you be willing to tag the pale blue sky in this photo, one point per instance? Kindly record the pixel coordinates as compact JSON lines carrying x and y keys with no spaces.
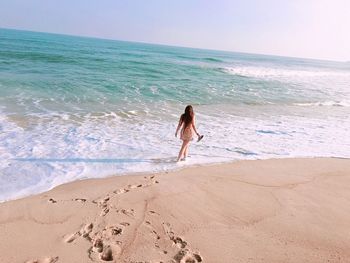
{"x":299,"y":28}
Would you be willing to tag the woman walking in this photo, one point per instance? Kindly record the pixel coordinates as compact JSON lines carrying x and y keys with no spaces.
{"x":187,"y":126}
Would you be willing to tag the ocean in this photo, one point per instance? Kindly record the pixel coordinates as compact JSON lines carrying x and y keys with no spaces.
{"x":73,"y":108}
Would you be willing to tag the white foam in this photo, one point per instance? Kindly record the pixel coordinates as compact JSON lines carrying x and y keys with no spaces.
{"x":286,"y":73}
{"x":52,"y":151}
{"x":326,"y":103}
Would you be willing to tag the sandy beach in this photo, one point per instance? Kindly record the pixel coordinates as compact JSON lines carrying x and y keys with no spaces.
{"x":278,"y":210}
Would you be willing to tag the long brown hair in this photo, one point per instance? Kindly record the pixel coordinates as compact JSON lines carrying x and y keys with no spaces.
{"x":187,"y":117}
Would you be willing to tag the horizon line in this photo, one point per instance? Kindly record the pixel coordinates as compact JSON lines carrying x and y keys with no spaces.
{"x":177,"y":46}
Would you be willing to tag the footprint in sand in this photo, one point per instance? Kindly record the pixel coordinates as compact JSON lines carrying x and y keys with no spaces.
{"x":101,"y":202}
{"x":154,"y":234}
{"x":153,"y":212}
{"x":186,"y":256}
{"x":51,"y":200}
{"x":106,"y":245}
{"x":114,"y":230}
{"x":84,"y":232}
{"x":104,"y":211}
{"x":179,"y":242}
{"x":127,"y":212}
{"x":104,"y":251}
{"x":121,"y":191}
{"x":44,"y":260}
{"x":133,"y":186}
{"x":107,"y":254}
{"x":70,"y":238}
{"x":82,"y":200}
{"x":98,"y":245}
{"x":168,"y":231}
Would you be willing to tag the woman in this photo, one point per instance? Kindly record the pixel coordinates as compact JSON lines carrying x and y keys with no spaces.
{"x":187,"y":122}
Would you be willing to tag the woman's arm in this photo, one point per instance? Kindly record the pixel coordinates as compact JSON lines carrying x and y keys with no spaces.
{"x":194,"y":125}
{"x":178,"y":126}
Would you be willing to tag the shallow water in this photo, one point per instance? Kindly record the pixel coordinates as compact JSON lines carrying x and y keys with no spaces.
{"x":73,"y":108}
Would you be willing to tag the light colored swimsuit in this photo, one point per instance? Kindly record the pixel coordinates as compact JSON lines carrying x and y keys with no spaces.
{"x":187,"y":133}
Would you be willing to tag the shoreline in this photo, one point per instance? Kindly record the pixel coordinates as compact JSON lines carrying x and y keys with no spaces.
{"x":273,"y":210}
{"x":182,"y":166}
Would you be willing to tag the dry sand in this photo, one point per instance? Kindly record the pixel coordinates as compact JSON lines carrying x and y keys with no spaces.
{"x":290,"y":210}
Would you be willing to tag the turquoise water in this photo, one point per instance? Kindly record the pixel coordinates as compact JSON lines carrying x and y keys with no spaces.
{"x":74,"y":107}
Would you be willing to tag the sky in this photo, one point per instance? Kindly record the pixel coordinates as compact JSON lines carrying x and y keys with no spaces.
{"x":296,"y":28}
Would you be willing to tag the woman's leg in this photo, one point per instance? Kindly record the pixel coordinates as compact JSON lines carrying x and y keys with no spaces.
{"x":183,"y":148}
{"x":186,"y":150}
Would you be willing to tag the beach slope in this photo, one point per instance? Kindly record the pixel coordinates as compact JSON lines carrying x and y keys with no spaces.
{"x":280,"y":210}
